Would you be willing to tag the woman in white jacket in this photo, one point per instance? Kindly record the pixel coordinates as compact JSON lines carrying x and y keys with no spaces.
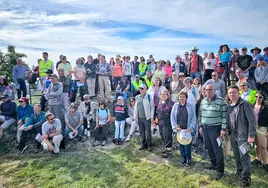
{"x":130,"y":120}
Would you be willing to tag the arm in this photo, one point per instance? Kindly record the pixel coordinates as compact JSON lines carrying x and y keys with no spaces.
{"x":256,"y":75}
{"x":66,"y":82}
{"x":41,"y":121}
{"x":57,"y":93}
{"x":67,"y":122}
{"x":192,"y":122}
{"x":223,"y":91}
{"x":14,"y":77}
{"x":80,"y":122}
{"x":30,"y":111}
{"x":173,"y":117}
{"x":223,"y":115}
{"x":30,"y":121}
{"x":152,"y":108}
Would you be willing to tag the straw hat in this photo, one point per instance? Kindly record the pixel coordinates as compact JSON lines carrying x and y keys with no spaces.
{"x":184,"y":137}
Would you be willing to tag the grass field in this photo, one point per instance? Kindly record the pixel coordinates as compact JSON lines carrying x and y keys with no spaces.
{"x":114,"y":167}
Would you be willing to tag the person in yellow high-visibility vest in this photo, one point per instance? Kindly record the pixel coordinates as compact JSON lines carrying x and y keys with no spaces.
{"x":44,"y":65}
{"x":135,"y":85}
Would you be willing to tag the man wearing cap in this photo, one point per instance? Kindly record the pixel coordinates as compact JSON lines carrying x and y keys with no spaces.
{"x":245,"y":62}
{"x":135,"y":85}
{"x":51,"y":133}
{"x":45,"y":84}
{"x":7,"y":113}
{"x":196,"y":65}
{"x":123,"y":88}
{"x":212,"y":121}
{"x":74,"y":121}
{"x":265,"y":54}
{"x":54,"y":97}
{"x":144,"y":116}
{"x":18,"y":75}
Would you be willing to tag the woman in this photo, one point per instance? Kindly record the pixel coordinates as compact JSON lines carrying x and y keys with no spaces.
{"x":183,"y":117}
{"x":209,"y":66}
{"x":168,"y":71}
{"x":102,"y":121}
{"x":154,"y":92}
{"x":261,"y":76}
{"x":118,"y":72}
{"x":90,"y":76}
{"x":176,"y":86}
{"x":163,"y":119}
{"x":130,"y":120}
{"x":112,"y":63}
{"x":80,"y":75}
{"x":261,"y":114}
{"x":197,"y":84}
{"x":159,"y":72}
{"x":246,"y":93}
{"x":225,"y":58}
{"x":192,"y":92}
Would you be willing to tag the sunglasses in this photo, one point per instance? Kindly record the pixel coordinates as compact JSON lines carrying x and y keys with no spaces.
{"x":86,"y":99}
{"x":213,"y":75}
{"x":51,"y":119}
{"x":181,"y":76}
{"x":141,"y":88}
{"x":258,"y":97}
{"x":21,"y":101}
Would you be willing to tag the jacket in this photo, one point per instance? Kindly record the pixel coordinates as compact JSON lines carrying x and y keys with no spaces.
{"x":191,"y":123}
{"x":151,"y":92}
{"x":8,"y":109}
{"x":92,"y":68}
{"x":36,"y":120}
{"x":149,"y":107}
{"x":65,"y":82}
{"x":262,"y":116}
{"x":163,"y":112}
{"x":23,"y":113}
{"x":245,"y":122}
{"x":54,"y":94}
{"x":120,"y":112}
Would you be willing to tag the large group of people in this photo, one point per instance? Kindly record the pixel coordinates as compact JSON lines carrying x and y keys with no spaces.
{"x":210,"y":102}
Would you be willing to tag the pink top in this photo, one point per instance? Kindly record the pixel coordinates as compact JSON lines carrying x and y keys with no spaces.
{"x":168,"y":70}
{"x":118,"y":70}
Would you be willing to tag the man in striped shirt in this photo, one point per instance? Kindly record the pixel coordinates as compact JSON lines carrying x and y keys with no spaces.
{"x":212,"y":120}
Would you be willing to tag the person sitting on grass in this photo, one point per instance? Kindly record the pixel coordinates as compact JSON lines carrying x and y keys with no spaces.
{"x":24,"y":111}
{"x":120,"y":115}
{"x":102,"y":120}
{"x":74,"y":122}
{"x":122,"y":88}
{"x":86,"y":109}
{"x":33,"y":126}
{"x":7,"y":113}
{"x":130,"y":120}
{"x":51,"y":134}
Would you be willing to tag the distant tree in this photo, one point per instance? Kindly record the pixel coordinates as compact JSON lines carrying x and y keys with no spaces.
{"x":8,"y":60}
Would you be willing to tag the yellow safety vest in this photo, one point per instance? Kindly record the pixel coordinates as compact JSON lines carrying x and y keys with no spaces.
{"x":136,"y":85}
{"x":43,"y":67}
{"x":251,"y":97}
{"x":149,"y":83}
{"x":142,"y":69}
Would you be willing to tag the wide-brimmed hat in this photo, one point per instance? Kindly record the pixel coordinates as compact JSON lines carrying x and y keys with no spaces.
{"x":228,"y":49}
{"x":184,"y":137}
{"x":195,"y":48}
{"x":256,"y":48}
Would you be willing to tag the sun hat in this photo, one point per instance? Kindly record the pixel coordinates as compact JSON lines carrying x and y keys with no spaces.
{"x":184,"y":137}
{"x":194,"y":48}
{"x":256,"y":48}
{"x":228,"y":49}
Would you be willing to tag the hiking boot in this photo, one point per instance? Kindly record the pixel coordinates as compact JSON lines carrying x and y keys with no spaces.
{"x":210,"y":167}
{"x":23,"y":149}
{"x":96,"y":143}
{"x":246,"y":182}
{"x":219,"y":175}
{"x":164,"y":151}
{"x":142,"y":147}
{"x":120,"y":141}
{"x":183,"y":161}
{"x":103,"y":143}
{"x":256,"y":162}
{"x":188,"y":162}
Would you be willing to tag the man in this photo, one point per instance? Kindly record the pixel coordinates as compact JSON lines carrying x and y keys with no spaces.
{"x":135,"y":85}
{"x":212,"y":121}
{"x":151,"y":65}
{"x":97,"y":60}
{"x":45,"y":85}
{"x":18,"y":75}
{"x":103,"y":70}
{"x":196,"y":65}
{"x":7,"y":113}
{"x":74,"y":122}
{"x":218,"y":84}
{"x":90,"y":76}
{"x":51,"y":132}
{"x":265,"y":54}
{"x":32,"y":126}
{"x":242,"y":126}
{"x":242,"y":78}
{"x":186,"y":61}
{"x":44,"y":65}
{"x":67,"y":67}
{"x":245,"y":62}
{"x":128,"y":68}
{"x":148,"y":80}
{"x":135,"y":65}
{"x":179,"y":66}
{"x":144,"y":116}
{"x":66,"y":84}
{"x":123,"y":88}
{"x":247,"y":93}
{"x":54,"y":97}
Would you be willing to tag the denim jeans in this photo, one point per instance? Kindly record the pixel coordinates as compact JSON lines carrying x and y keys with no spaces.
{"x":186,"y":151}
{"x":119,"y":129}
{"x":194,"y":75}
{"x":68,"y":130}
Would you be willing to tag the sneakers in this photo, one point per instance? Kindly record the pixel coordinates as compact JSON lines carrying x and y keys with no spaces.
{"x":183,"y":161}
{"x":23,"y":149}
{"x":103,"y":143}
{"x":219,"y":175}
{"x":150,"y":148}
{"x":188,"y":162}
{"x":165,"y":155}
{"x":115,"y":141}
{"x":246,"y":182}
{"x":120,"y":141}
{"x":142,"y":147}
{"x":128,"y":138}
{"x":96,"y":143}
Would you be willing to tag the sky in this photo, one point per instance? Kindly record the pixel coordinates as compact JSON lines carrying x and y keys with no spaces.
{"x":164,"y":28}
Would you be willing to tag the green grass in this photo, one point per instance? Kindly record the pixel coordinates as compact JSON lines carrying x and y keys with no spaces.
{"x":120,"y":167}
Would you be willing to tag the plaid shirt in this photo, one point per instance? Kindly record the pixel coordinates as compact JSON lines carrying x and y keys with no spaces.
{"x":103,"y":69}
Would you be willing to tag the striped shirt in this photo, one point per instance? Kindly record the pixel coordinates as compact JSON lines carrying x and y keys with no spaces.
{"x":213,"y":112}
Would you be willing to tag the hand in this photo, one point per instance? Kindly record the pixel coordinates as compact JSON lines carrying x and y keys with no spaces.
{"x":188,"y":130}
{"x":201,"y":131}
{"x":20,"y":123}
{"x":261,"y":82}
{"x":178,"y":128}
{"x":266,"y":134}
{"x":251,"y":140}
{"x":222,"y":133}
{"x":133,"y":119}
{"x":29,"y":127}
{"x":43,"y":137}
{"x":113,"y":118}
{"x":75,"y":131}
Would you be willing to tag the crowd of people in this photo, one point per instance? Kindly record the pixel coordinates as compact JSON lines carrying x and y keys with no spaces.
{"x":209,"y":102}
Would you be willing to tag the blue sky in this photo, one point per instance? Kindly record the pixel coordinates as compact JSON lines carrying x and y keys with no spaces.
{"x":165,"y":29}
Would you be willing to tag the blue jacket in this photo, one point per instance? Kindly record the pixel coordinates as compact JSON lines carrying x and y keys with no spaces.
{"x":23,"y":113}
{"x":36,"y":120}
{"x":191,"y":123}
{"x":225,"y":58}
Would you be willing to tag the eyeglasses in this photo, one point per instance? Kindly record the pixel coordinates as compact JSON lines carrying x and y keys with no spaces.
{"x":141,"y":88}
{"x":258,"y":97}
{"x":242,"y":85}
{"x":51,"y":119}
{"x":164,"y":94}
{"x":213,"y":75}
{"x":181,"y":76}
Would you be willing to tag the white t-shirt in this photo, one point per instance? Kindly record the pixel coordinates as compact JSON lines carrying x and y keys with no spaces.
{"x":209,"y":63}
{"x":79,"y":72}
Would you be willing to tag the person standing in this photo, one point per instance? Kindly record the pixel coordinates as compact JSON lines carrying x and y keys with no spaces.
{"x":144,"y":116}
{"x":242,"y":126}
{"x":261,"y":76}
{"x":245,"y":62}
{"x":103,"y":70}
{"x":135,"y":65}
{"x":209,"y":66}
{"x":66,"y":84}
{"x":196,"y":65}
{"x":18,"y":76}
{"x":265,"y":54}
{"x":45,"y":84}
{"x":233,"y":66}
{"x":212,"y":121}
{"x":128,"y":68}
{"x":179,"y":66}
{"x":44,"y":65}
{"x":225,"y":58}
{"x":90,"y":76}
{"x":218,"y":84}
{"x":79,"y":84}
{"x":187,"y":62}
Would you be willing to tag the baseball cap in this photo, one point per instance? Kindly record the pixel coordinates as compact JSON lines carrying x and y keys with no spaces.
{"x":23,"y":99}
{"x":143,"y":86}
{"x":120,"y":98}
{"x":4,"y":96}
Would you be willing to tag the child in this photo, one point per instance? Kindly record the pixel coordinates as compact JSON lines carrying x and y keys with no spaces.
{"x":120,"y":115}
{"x":102,"y":120}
